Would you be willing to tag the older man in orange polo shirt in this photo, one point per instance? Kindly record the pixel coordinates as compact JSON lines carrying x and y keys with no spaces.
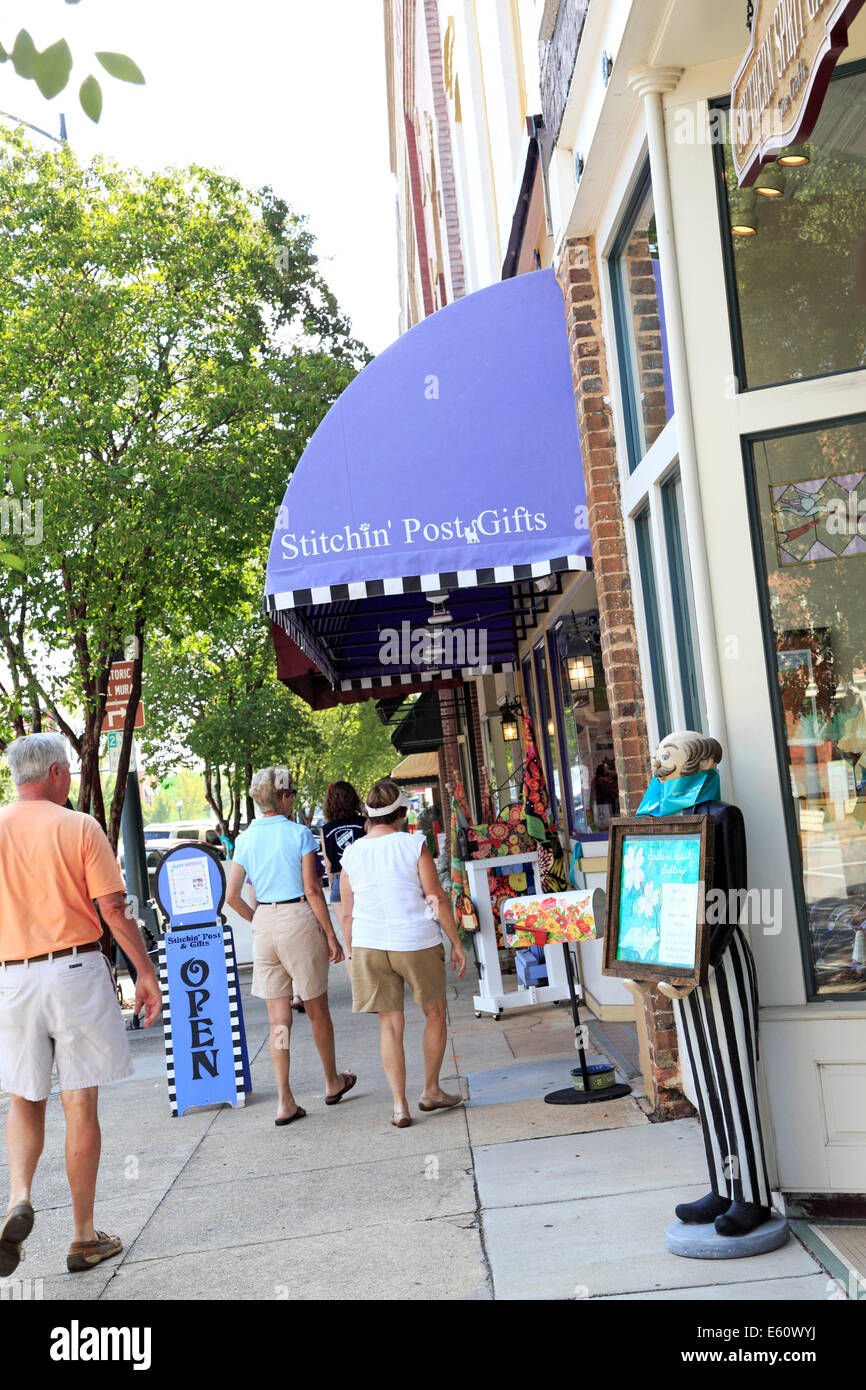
{"x":57,"y":999}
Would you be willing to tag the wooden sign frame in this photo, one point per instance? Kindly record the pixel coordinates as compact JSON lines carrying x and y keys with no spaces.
{"x":646,"y":827}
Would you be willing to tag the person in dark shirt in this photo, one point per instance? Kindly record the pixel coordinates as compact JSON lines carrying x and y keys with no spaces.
{"x":344,"y":823}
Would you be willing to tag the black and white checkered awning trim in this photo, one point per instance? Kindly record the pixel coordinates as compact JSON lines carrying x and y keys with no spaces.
{"x":466,"y":673}
{"x":423,"y":583}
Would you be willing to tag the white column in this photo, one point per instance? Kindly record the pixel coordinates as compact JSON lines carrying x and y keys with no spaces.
{"x":650,"y":84}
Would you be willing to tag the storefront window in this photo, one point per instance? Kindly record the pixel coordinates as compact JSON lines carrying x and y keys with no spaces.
{"x":583,"y":718}
{"x":641,"y":332}
{"x":810,"y":495}
{"x":653,"y":623}
{"x":545,"y":732}
{"x":797,"y":241}
{"x":683,"y":601}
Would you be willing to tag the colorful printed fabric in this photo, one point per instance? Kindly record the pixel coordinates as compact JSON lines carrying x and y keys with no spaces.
{"x":505,"y":834}
{"x":461,"y":903}
{"x":535,"y":920}
{"x":536,"y":805}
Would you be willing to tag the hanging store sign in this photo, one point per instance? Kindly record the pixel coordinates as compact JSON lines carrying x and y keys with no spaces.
{"x":777,"y":94}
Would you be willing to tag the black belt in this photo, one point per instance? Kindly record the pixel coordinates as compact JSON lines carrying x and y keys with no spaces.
{"x":281,"y":902}
{"x":53,"y":955}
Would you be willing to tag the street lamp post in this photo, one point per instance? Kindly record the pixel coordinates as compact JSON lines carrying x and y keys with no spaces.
{"x":30,"y":126}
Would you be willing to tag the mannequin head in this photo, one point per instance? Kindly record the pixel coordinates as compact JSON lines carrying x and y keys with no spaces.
{"x":685,"y":752}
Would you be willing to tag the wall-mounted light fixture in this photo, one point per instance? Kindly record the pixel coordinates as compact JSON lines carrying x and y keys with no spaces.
{"x":510,"y":712}
{"x":581,"y":672}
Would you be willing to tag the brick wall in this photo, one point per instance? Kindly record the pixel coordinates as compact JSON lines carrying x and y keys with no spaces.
{"x":446,"y":163}
{"x":643,"y":296}
{"x":579,"y":279}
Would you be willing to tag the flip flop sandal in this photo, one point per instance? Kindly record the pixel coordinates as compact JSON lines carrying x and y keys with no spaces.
{"x":404,"y":1121}
{"x":13,"y":1233}
{"x":350,"y":1080}
{"x":442,"y":1105}
{"x":290,"y":1120}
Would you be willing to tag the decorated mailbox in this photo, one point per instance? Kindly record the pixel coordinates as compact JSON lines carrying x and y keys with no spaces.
{"x":536,"y":919}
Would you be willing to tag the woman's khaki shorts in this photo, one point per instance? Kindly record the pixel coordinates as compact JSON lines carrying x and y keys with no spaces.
{"x":288,"y":944}
{"x":379,"y":978}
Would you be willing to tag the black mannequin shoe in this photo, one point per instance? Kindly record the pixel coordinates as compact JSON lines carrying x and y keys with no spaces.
{"x":741,"y":1218}
{"x":704,"y":1210}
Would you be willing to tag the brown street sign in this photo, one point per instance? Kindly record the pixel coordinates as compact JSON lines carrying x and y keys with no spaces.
{"x":117,"y":698}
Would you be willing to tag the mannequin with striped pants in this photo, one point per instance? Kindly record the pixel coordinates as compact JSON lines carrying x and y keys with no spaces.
{"x":719,"y":1018}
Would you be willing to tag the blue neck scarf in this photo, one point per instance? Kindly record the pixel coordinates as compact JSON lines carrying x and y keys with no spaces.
{"x":679,"y":793}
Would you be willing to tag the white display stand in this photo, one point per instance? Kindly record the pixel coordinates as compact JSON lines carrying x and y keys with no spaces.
{"x":492,"y":999}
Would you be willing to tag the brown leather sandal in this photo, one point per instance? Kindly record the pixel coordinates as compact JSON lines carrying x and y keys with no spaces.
{"x":350,"y":1078}
{"x":441,"y":1105}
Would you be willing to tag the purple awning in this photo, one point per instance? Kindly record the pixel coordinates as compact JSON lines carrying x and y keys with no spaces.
{"x":451,"y":463}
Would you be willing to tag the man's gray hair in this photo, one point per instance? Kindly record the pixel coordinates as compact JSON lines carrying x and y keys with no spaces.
{"x":30,"y":758}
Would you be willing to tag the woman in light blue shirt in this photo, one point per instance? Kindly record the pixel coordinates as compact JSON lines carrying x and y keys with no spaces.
{"x":293,"y":938}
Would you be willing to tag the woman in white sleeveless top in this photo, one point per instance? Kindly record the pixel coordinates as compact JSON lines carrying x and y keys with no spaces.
{"x":391,"y":898}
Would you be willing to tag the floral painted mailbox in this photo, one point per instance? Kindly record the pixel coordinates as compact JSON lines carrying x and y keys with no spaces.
{"x":536,"y":919}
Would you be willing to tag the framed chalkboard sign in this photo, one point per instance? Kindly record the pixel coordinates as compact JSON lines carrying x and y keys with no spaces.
{"x":657,"y":871}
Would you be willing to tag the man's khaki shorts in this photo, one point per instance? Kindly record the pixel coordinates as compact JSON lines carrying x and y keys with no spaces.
{"x":288,"y":944}
{"x":379,"y":978}
{"x":65,"y":1012}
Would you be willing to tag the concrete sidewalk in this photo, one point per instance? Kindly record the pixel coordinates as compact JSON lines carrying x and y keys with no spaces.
{"x":506,"y":1198}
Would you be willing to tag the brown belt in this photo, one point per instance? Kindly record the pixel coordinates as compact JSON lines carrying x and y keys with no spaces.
{"x":53,"y":955}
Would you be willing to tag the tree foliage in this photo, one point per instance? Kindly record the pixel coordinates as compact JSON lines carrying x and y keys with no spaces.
{"x":167,"y":346}
{"x":217,"y":703}
{"x":51,"y":68}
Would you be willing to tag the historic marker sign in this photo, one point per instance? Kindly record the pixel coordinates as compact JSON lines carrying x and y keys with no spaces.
{"x":777,"y":94}
{"x":118,"y":696}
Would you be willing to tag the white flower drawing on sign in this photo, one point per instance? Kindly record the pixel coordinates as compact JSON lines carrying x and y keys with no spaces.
{"x":633,"y":867}
{"x":648,"y":900}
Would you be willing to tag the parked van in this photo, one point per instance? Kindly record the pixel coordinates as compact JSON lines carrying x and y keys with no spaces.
{"x":161,"y":831}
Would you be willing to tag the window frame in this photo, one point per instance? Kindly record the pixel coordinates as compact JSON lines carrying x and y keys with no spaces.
{"x":641,"y":487}
{"x":748,"y":442}
{"x":629,"y":394}
{"x":738,"y":352}
{"x":548,"y":753}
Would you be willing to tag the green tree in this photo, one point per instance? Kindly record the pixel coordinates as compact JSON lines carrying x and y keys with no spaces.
{"x":163,"y":808}
{"x":354,"y":747}
{"x":167,"y":346}
{"x":215,"y":699}
{"x":51,"y":68}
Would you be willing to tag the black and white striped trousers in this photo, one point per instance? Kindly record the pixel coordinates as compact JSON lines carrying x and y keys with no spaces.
{"x":719,"y":1021}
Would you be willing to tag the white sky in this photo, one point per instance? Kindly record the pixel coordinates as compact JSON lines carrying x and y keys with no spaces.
{"x":283,"y":92}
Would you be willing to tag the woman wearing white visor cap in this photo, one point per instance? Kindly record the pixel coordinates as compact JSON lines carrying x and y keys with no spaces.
{"x":391,"y":900}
